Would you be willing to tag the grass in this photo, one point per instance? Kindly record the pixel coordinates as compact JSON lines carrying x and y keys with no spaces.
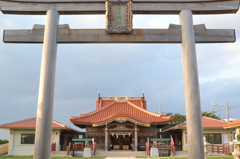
{"x":30,"y":157}
{"x":209,"y":157}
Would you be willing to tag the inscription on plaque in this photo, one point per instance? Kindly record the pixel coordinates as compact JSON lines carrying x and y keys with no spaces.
{"x":119,"y":16}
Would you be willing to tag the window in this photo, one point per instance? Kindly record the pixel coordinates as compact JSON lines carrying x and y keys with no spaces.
{"x":214,"y":138}
{"x":27,"y":138}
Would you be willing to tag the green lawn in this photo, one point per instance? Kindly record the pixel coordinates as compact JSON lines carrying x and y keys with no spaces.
{"x":30,"y":157}
{"x":209,"y":157}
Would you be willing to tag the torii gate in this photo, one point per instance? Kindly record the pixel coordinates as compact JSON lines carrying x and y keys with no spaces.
{"x":186,"y":33}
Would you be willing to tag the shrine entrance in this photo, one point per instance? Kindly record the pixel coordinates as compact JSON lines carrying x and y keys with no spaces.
{"x":121,"y":136}
{"x":121,"y":142}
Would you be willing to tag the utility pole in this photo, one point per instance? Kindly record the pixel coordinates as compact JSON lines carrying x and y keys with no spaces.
{"x":213,"y":109}
{"x":160,"y":108}
{"x":160,"y":112}
{"x":227,"y":112}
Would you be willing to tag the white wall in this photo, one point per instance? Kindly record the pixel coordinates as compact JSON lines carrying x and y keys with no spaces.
{"x":222,"y":131}
{"x":15,"y":146}
{"x":17,"y":149}
{"x":184,"y":140}
{"x":56,"y":138}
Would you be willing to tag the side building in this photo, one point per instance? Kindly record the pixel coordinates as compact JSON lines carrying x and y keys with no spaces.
{"x":212,"y":129}
{"x":121,"y":123}
{"x":22,"y":136}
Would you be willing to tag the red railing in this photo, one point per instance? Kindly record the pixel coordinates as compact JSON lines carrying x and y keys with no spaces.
{"x":163,"y":146}
{"x":218,"y":149}
{"x":80,"y":147}
{"x":173,"y":149}
{"x":75,"y":147}
{"x":53,"y":146}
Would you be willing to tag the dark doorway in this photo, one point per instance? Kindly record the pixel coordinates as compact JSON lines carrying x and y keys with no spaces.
{"x":121,"y":142}
{"x":177,"y":137}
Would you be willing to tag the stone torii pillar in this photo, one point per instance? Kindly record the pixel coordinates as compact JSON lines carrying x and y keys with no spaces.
{"x":43,"y":132}
{"x":191,"y":88}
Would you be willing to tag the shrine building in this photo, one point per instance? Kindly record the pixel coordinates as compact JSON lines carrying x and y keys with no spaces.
{"x":121,"y":123}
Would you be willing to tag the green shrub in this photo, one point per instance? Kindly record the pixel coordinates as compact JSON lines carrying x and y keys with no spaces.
{"x":238,"y":137}
{"x":3,"y":141}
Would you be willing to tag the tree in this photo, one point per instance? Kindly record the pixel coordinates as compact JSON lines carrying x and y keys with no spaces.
{"x":3,"y":141}
{"x":178,"y":118}
{"x":211,"y":115}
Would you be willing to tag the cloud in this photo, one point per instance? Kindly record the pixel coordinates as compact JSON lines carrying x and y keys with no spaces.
{"x":115,"y":69}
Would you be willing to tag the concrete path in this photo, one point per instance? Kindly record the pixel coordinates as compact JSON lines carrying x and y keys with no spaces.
{"x":120,"y":158}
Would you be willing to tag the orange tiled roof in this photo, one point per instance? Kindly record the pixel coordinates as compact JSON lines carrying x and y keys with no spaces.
{"x":207,"y":122}
{"x":31,"y":124}
{"x":120,"y":108}
{"x":233,"y":124}
{"x":105,"y":101}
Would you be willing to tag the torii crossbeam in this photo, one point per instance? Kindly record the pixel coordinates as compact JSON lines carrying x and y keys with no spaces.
{"x":52,"y":33}
{"x":171,"y":35}
{"x":139,"y":6}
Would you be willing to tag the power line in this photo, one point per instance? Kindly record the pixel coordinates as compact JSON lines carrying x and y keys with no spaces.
{"x":235,"y":106}
{"x":236,"y":116}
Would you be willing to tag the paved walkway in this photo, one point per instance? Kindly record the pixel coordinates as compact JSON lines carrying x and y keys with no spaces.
{"x":120,"y":158}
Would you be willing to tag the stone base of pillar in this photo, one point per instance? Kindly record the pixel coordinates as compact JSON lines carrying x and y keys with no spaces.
{"x":154,"y":152}
{"x":236,"y":155}
{"x":87,"y":152}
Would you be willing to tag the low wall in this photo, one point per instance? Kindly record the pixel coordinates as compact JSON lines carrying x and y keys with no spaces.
{"x":3,"y":149}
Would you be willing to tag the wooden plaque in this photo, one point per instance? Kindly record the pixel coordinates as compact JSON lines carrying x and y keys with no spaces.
{"x":119,"y":16}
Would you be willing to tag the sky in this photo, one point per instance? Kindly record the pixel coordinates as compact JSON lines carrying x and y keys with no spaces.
{"x":117,"y":70}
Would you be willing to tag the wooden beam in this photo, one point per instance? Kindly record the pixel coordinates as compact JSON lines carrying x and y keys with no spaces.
{"x":171,"y":35}
{"x":139,"y":6}
{"x":73,"y":1}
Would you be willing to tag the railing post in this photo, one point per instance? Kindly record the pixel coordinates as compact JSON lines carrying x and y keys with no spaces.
{"x":147,"y":147}
{"x":94,"y":148}
{"x":68,"y":148}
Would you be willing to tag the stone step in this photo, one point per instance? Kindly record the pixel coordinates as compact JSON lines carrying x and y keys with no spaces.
{"x":59,"y":153}
{"x":181,"y":153}
{"x":120,"y":153}
{"x":102,"y":153}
